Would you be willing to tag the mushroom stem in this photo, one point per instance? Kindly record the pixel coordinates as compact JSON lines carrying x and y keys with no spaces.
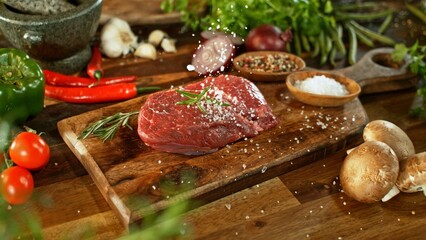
{"x":392,"y":193}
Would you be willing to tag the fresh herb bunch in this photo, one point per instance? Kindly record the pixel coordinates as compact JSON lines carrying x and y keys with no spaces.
{"x":317,"y":25}
{"x":417,"y":62}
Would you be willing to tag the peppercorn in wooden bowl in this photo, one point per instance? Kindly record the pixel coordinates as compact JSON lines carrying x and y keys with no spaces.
{"x":321,"y":88}
{"x":267,"y":66}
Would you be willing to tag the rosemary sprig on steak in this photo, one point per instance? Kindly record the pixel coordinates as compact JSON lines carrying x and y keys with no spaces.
{"x":106,"y":127}
{"x":194,"y":98}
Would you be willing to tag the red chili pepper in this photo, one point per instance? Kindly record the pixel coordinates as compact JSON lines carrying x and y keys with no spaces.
{"x":94,"y":68}
{"x":107,"y":93}
{"x":58,"y":79}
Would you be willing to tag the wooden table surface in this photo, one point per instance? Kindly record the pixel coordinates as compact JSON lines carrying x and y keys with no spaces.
{"x":306,"y":203}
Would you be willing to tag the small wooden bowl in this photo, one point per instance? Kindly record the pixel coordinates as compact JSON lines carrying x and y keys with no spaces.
{"x":262,"y":75}
{"x":318,"y":99}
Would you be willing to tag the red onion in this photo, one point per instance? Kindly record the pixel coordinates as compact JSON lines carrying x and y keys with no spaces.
{"x":214,"y":55}
{"x":268,"y":37}
{"x":235,"y":39}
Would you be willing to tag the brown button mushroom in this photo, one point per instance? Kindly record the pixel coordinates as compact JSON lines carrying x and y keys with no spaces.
{"x":392,"y":135}
{"x":369,"y":172}
{"x":412,"y":176}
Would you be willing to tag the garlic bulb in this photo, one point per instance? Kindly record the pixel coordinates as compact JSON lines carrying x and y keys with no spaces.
{"x":168,"y":45}
{"x":156,"y":36}
{"x":146,"y":50}
{"x":117,"y":38}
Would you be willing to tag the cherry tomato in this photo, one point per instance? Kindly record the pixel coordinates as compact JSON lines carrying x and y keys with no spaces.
{"x":16,"y":185}
{"x":29,"y":151}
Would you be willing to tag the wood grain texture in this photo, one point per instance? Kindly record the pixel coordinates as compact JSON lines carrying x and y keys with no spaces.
{"x":125,"y":167}
{"x":137,"y":12}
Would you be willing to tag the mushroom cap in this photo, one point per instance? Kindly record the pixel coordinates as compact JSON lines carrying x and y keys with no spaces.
{"x":392,"y":135}
{"x":412,"y":175}
{"x":369,"y":172}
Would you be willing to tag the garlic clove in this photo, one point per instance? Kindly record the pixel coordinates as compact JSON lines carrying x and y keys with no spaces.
{"x":117,"y":35}
{"x":156,"y":36}
{"x":146,"y":50}
{"x":112,"y":48}
{"x":168,"y":45}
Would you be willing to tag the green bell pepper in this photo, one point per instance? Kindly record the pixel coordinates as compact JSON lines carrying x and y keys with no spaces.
{"x":21,"y":86}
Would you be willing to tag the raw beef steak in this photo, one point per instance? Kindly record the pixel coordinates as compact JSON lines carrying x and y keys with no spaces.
{"x":232,"y":108}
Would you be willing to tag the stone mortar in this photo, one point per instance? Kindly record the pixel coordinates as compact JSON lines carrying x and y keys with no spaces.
{"x":59,"y":42}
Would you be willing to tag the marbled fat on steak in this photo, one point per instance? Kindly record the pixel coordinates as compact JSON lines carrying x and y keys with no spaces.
{"x":187,"y":129}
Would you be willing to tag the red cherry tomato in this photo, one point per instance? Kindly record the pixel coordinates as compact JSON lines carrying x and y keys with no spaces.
{"x":29,"y":151}
{"x":16,"y":185}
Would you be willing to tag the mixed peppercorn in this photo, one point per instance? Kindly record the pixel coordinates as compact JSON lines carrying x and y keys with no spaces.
{"x":274,"y":63}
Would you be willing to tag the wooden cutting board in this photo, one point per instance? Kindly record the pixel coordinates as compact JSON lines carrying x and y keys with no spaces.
{"x":125,"y":167}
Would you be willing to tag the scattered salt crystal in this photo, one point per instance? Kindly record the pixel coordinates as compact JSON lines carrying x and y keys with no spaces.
{"x":56,"y":164}
{"x":344,"y":203}
{"x":264,"y":168}
{"x":262,"y":211}
{"x":247,"y":217}
{"x":9,"y":207}
{"x":190,"y":67}
{"x":244,"y":166}
{"x":413,"y":212}
{"x":321,"y":85}
{"x":228,"y":206}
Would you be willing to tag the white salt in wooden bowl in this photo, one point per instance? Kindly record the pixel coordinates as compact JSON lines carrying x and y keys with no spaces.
{"x":322,"y":100}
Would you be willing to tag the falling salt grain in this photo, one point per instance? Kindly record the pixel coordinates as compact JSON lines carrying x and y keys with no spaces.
{"x":56,"y":164}
{"x":78,"y":211}
{"x":9,"y":207}
{"x":413,"y":212}
{"x":262,"y":211}
{"x":344,"y":203}
{"x":190,"y":67}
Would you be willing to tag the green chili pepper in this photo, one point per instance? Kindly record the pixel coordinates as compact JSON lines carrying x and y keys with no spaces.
{"x":21,"y":86}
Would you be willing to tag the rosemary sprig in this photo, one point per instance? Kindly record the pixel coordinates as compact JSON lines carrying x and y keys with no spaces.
{"x":106,"y":127}
{"x":194,"y":98}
